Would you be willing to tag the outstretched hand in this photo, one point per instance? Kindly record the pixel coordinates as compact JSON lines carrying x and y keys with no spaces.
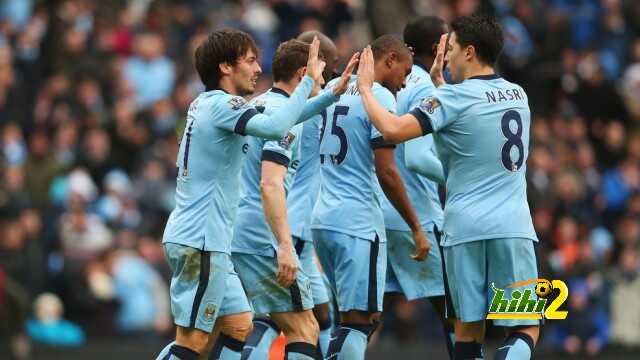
{"x":438,"y":64}
{"x":342,"y":84}
{"x":315,"y":66}
{"x":366,"y":70}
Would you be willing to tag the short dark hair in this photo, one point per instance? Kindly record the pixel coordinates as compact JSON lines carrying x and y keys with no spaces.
{"x":290,"y":56}
{"x":222,"y":46}
{"x":484,"y":33}
{"x":422,"y":32}
{"x":386,"y":44}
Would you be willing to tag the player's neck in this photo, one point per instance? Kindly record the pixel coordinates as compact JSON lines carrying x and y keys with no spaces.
{"x":227,"y":85}
{"x":478,"y":69}
{"x":289,"y":87}
{"x":379,"y":73}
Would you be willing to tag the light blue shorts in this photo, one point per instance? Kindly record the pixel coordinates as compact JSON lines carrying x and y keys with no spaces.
{"x":306,"y":253}
{"x":356,"y":269}
{"x":414,"y":279}
{"x":258,"y":276}
{"x":472,"y":267}
{"x":203,"y":287}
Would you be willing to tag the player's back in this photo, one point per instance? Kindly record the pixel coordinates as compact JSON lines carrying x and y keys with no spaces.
{"x":208,"y":164}
{"x":251,"y":231}
{"x":422,"y":192}
{"x":348,"y":201}
{"x":483,"y":144}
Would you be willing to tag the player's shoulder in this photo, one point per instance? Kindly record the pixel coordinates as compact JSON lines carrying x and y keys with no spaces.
{"x":270,"y":98}
{"x":487,"y":81}
{"x":452,"y":90}
{"x":220,"y":100}
{"x":418,"y":82}
{"x":497,"y":90}
{"x":381,"y":91}
{"x":513,"y":86}
{"x":419,"y":73}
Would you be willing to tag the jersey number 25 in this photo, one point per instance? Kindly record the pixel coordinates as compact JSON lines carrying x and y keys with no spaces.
{"x":336,"y":130}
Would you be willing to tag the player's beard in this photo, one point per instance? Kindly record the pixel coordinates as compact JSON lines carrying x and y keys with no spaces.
{"x":247,"y":87}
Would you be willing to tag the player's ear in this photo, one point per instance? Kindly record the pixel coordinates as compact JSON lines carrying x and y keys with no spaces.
{"x":301,"y":72}
{"x":391,"y":58}
{"x":225,"y":68}
{"x":469,"y":52}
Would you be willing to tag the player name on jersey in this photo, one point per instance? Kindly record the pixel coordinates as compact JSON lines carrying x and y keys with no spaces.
{"x":507,"y":95}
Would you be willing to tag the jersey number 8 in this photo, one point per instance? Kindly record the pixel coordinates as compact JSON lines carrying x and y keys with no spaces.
{"x":513,"y":139}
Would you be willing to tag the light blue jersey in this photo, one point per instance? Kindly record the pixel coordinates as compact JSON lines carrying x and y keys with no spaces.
{"x":481,"y":130}
{"x":251,"y":232}
{"x":422,"y":192}
{"x":348,"y":199}
{"x":209,"y":160}
{"x":306,"y":184}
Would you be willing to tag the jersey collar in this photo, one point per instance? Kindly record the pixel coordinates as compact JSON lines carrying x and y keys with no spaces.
{"x":485,"y":77}
{"x":215,"y":88}
{"x":279,"y":91}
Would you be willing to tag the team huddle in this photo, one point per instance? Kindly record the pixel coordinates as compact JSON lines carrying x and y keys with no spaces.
{"x":323,"y":192}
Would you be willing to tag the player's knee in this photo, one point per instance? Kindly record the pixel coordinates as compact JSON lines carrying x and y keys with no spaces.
{"x":314,"y":328}
{"x":307,"y":327}
{"x":321,"y":313}
{"x":471,"y":331}
{"x":238,"y":326}
{"x":193,"y":339}
{"x":301,"y":326}
{"x":375,"y":318}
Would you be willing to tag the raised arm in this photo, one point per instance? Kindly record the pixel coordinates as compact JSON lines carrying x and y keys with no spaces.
{"x":276,"y":125}
{"x":318,"y":103}
{"x":395,"y":129}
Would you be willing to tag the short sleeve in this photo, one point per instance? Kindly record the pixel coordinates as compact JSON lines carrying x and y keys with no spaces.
{"x":281,"y":151}
{"x":388,"y":101}
{"x":438,"y":110}
{"x":232,"y":113}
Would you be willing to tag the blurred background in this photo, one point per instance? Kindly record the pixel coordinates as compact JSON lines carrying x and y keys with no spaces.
{"x":92,"y":95}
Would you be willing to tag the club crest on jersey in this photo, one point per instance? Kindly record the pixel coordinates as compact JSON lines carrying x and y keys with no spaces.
{"x":429,"y":104}
{"x":286,"y":141}
{"x":209,"y":312}
{"x":237,"y":102}
{"x":259,"y":103}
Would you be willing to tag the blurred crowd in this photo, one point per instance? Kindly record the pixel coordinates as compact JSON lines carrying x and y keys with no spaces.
{"x":92,"y":95}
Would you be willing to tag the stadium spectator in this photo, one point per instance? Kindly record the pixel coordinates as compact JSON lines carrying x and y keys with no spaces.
{"x":625,"y":279}
{"x":49,"y":327}
{"x":586,"y":331}
{"x":149,"y":72}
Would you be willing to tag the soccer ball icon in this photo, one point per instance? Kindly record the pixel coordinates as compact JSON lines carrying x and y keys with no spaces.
{"x":543,"y":288}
